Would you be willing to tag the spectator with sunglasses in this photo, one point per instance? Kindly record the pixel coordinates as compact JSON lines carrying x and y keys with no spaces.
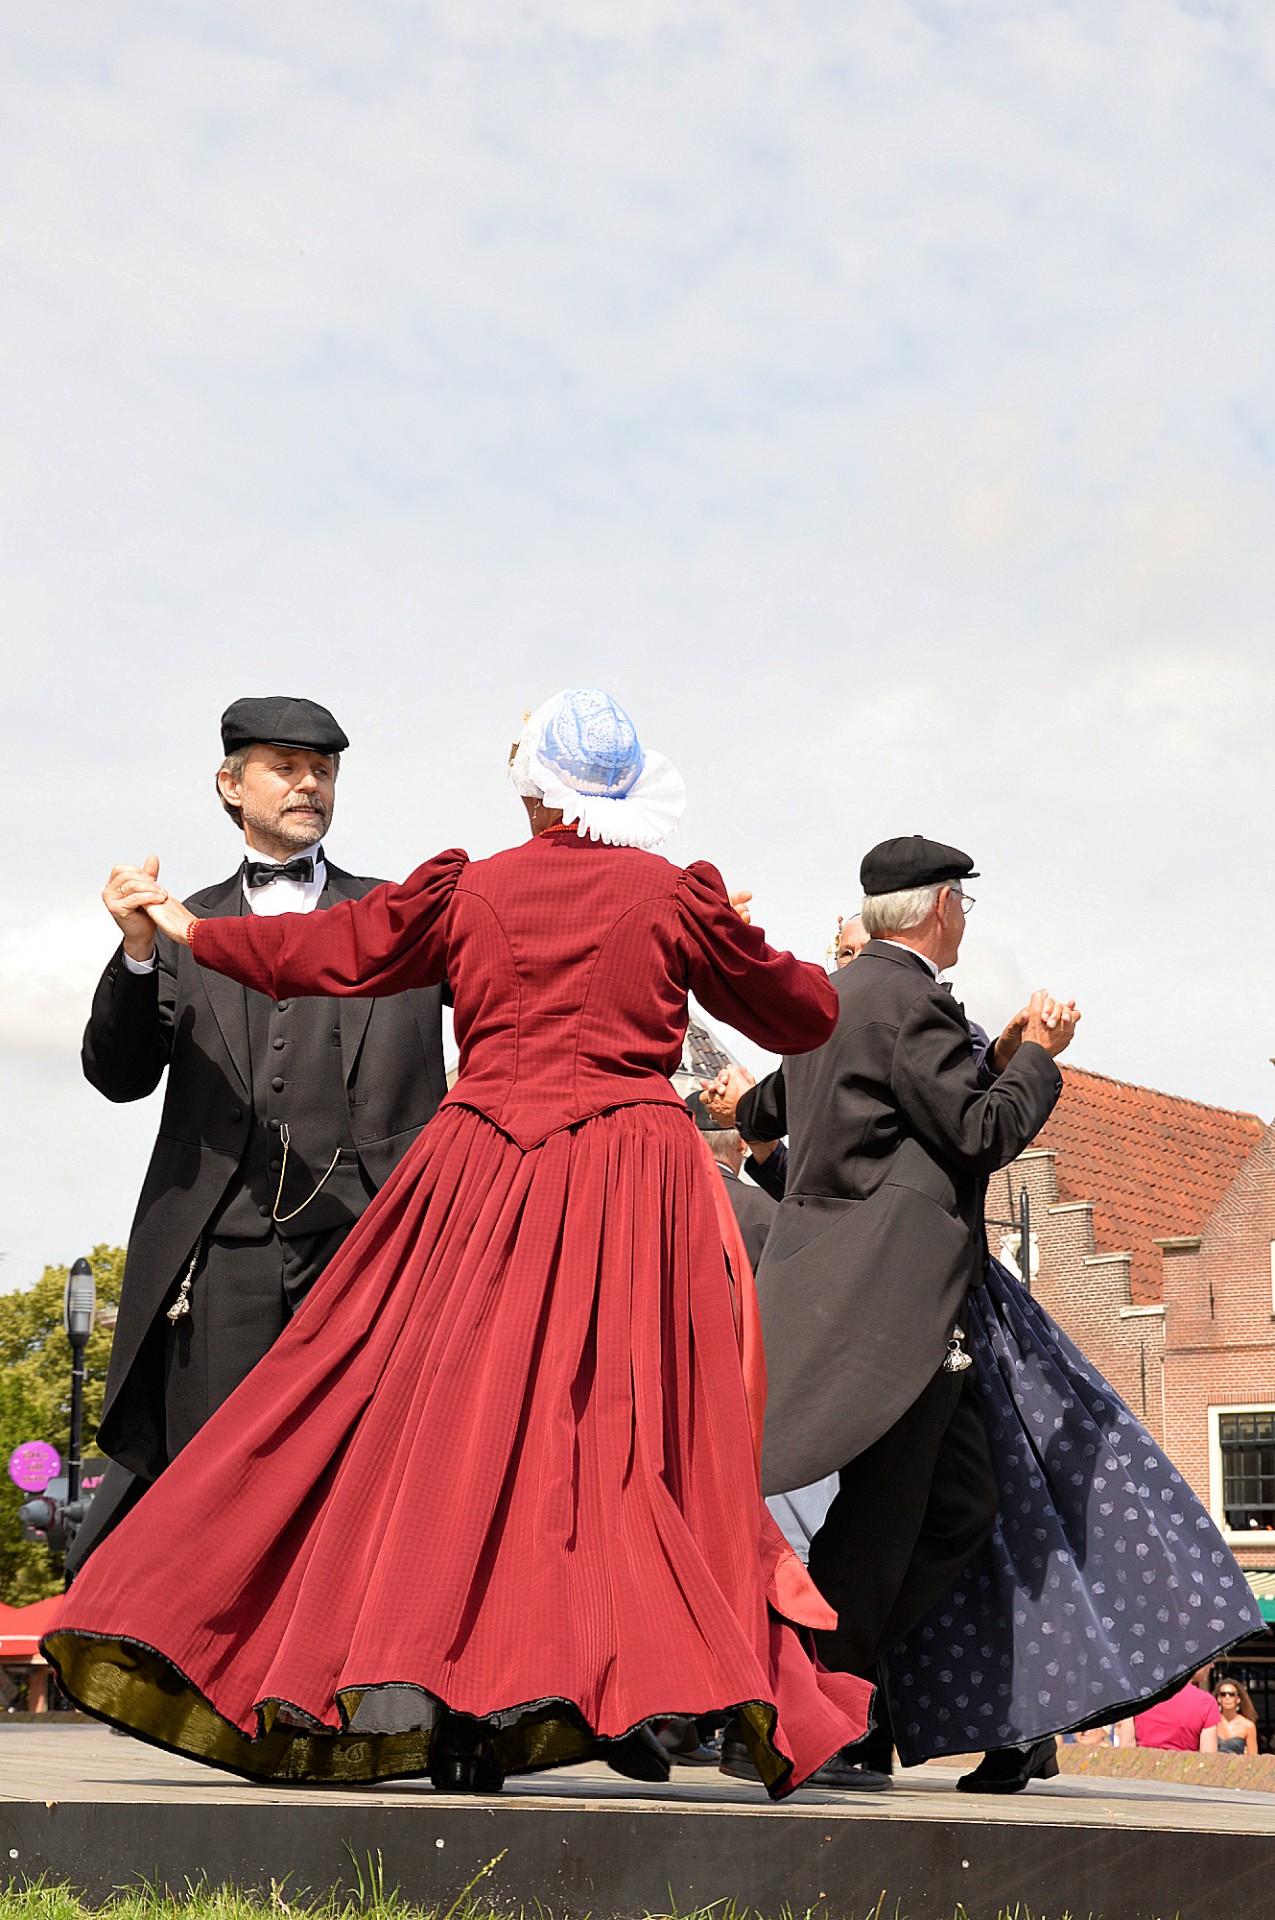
{"x":1237,"y":1728}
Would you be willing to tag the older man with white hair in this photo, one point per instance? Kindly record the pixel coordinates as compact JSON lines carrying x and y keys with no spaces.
{"x":895,"y":1125}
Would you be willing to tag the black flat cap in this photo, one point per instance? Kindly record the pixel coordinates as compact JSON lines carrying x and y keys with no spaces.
{"x":703,"y":1119}
{"x":912,"y":861}
{"x":279,"y":722}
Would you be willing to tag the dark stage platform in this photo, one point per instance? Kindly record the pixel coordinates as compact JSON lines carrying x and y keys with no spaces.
{"x":80,"y":1804}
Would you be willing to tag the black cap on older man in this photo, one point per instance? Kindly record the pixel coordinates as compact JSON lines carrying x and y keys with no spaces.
{"x":277,"y":721}
{"x":912,"y":861}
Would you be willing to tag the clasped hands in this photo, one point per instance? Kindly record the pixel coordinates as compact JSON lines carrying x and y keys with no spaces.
{"x":1050,"y":1023}
{"x":138,"y":904}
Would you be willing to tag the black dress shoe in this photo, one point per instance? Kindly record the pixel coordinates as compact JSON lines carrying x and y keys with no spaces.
{"x":736,"y":1760}
{"x":840,"y":1774}
{"x":845,"y":1774}
{"x":1008,"y":1769}
{"x":638,"y":1755}
{"x":462,"y":1760}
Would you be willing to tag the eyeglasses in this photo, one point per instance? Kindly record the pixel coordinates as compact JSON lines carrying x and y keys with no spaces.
{"x":1227,"y":1693}
{"x":966,"y":899}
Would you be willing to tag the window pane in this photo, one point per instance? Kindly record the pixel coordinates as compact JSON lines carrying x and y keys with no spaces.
{"x":1248,"y":1469}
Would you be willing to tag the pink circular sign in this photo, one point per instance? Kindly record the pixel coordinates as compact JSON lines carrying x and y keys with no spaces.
{"x":33,"y":1465}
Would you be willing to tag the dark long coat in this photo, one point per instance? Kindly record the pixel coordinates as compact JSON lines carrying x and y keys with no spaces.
{"x":893,"y":1133}
{"x":196,"y":1024}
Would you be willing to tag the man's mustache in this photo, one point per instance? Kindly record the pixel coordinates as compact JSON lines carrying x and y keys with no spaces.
{"x":306,"y":806}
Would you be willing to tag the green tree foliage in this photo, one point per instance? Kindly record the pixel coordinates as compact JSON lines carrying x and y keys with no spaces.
{"x":35,"y":1404}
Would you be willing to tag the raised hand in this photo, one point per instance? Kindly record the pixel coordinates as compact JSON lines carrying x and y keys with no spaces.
{"x":1050,"y":1023}
{"x":1009,"y":1041}
{"x":723,"y":1095}
{"x":740,"y":901}
{"x":127,"y":896}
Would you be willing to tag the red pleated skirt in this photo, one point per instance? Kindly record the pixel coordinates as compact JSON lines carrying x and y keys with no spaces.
{"x":499,"y":1463}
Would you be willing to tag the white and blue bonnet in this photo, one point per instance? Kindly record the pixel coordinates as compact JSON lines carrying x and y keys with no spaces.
{"x":580,"y":752}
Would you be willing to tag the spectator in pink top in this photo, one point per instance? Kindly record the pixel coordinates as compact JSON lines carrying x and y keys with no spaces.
{"x":1185,"y":1723}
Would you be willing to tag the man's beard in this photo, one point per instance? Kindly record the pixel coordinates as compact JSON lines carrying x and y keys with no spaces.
{"x":296,"y":827}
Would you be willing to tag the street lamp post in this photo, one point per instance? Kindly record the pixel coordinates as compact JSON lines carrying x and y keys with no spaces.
{"x":79,"y":1304}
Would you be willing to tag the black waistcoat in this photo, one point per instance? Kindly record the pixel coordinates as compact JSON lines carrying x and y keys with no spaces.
{"x":298,"y":1088}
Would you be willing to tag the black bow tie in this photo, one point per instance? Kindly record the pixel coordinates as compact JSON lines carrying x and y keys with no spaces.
{"x":259,"y":873}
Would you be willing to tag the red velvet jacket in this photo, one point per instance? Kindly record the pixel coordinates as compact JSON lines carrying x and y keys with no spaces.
{"x":569,"y":962}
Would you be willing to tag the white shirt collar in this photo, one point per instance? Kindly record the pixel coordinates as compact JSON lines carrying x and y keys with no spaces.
{"x":924,"y":958}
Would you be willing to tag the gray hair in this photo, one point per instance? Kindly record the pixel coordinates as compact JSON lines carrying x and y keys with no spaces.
{"x":886,"y":913}
{"x":234,"y":764}
{"x":725,"y":1141}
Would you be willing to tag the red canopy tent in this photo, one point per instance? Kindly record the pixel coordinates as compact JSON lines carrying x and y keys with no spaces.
{"x":21,"y":1627}
{"x":20,"y":1630}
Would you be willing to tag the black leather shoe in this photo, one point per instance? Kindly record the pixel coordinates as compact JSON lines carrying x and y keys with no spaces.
{"x":1008,"y":1769}
{"x":461,"y":1759}
{"x":843,"y":1774}
{"x":736,"y":1760}
{"x":638,"y":1755}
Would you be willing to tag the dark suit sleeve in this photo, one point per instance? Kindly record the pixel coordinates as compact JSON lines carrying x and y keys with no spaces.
{"x":936,"y":1081}
{"x":762,"y":1113}
{"x":771,"y":1174}
{"x":129,"y":1038}
{"x":983,"y":1043}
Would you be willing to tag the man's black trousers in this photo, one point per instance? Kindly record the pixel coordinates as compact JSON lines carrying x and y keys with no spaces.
{"x":911,"y":1511}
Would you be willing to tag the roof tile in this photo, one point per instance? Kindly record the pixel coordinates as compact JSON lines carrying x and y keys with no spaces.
{"x":1153,"y":1164}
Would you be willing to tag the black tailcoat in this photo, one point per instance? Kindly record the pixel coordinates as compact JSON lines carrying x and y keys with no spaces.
{"x":893,"y":1136}
{"x":362,"y":1076}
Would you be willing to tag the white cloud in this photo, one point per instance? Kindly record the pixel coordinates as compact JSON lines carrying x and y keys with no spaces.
{"x":49,"y":965}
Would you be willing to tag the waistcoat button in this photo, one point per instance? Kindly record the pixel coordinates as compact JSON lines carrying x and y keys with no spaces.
{"x":277,"y":1045}
{"x":264,"y":1212}
{"x":281,"y":1006}
{"x":236,"y":1113}
{"x":277,"y":1084}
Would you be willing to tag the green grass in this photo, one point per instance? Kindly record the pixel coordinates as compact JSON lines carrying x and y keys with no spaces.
{"x":373,"y":1902}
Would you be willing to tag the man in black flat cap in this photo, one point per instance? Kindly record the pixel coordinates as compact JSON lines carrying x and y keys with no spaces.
{"x":895,"y":1126}
{"x":281,"y":1118}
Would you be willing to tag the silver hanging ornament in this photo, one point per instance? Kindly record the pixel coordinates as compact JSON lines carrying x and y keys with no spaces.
{"x":956,"y":1359}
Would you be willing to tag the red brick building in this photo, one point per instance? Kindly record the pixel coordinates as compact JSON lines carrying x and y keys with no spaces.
{"x":1152,"y":1222}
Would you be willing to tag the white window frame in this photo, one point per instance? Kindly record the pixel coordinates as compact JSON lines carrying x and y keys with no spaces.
{"x":1246,"y":1537}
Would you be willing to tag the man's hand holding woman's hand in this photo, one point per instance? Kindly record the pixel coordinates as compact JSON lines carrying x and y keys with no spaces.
{"x":138,"y":904}
{"x":722,"y":1095}
{"x":128,"y":896}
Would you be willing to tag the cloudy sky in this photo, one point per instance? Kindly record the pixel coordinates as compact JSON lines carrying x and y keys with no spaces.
{"x":876,"y":398}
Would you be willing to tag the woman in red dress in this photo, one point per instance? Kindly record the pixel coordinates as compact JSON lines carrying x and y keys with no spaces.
{"x":491,"y":1502}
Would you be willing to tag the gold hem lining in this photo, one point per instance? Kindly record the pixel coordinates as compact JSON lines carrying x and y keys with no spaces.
{"x":135,"y":1687}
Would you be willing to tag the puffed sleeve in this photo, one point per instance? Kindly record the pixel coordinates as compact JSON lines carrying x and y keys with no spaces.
{"x":784,"y":1004}
{"x":395,"y":937}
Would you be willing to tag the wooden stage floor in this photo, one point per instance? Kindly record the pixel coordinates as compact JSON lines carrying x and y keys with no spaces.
{"x":81,"y":1804}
